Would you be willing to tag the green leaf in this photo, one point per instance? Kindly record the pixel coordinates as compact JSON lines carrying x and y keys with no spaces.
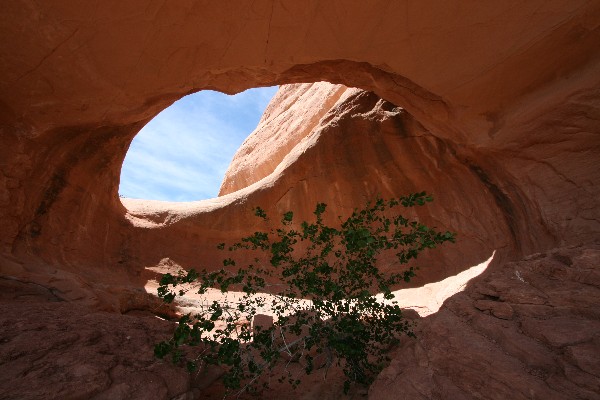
{"x":259,"y":212}
{"x":228,"y":262}
{"x":216,"y":314}
{"x":320,"y":209}
{"x":191,"y":366}
{"x":162,"y":349}
{"x":287,"y":217}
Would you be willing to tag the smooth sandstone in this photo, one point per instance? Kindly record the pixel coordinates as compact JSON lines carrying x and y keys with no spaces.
{"x":493,"y":108}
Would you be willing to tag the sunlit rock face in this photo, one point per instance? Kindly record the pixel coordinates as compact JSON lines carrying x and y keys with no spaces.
{"x":294,"y":113}
{"x":356,"y":147}
{"x":492,"y":108}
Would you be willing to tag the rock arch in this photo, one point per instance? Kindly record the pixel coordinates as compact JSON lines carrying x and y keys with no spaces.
{"x":513,"y":89}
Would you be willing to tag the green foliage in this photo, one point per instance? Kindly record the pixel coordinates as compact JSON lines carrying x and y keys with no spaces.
{"x":343,"y":324}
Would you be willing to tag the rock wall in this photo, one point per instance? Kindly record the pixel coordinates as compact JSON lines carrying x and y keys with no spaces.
{"x":494,"y":108}
{"x":516,"y":87}
{"x":58,"y":350}
{"x":362,"y":147}
{"x":526,"y":330}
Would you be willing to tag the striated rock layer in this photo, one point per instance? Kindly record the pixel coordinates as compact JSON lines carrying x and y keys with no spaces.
{"x":493,"y":108}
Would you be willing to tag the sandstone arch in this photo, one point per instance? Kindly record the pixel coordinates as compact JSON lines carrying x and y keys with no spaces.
{"x":509,"y":91}
{"x":478,"y":84}
{"x":66,"y":132}
{"x":484,"y":78}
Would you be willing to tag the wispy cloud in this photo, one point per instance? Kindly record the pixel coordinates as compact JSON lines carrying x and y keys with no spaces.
{"x":183,"y":153}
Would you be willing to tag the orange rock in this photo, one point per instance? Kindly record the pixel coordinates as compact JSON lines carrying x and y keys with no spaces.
{"x":462,"y":352}
{"x":505,"y":104}
{"x":493,"y":108}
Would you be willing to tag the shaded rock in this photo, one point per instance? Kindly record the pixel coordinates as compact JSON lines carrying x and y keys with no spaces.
{"x":59,"y":350}
{"x":493,"y":108}
{"x":498,"y":309}
{"x":549,"y":351}
{"x":499,"y":122}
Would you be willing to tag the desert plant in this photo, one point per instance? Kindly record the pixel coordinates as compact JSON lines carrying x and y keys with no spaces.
{"x":335,"y":269}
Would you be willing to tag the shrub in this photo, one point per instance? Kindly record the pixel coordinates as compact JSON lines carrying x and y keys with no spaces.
{"x":344,"y":323}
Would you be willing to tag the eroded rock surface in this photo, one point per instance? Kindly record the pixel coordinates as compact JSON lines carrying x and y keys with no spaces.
{"x":294,"y":113}
{"x":493,"y":108}
{"x":51,"y":349}
{"x":513,"y":90}
{"x":523,"y":330}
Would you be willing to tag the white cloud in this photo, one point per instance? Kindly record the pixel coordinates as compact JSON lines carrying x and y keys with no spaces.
{"x":183,"y":153}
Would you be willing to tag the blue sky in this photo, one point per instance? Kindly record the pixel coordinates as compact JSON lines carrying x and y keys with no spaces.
{"x":183,"y":153}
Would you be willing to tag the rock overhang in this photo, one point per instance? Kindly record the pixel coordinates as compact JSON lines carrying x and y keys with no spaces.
{"x":477,"y":82}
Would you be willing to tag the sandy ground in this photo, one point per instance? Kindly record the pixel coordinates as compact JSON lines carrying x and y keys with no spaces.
{"x":424,"y":300}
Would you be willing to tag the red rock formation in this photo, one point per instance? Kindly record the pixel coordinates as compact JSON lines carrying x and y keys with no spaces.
{"x":53,"y":349}
{"x":511,"y":85}
{"x":294,"y":113}
{"x":500,"y":122}
{"x":362,"y":147}
{"x":526,"y":330}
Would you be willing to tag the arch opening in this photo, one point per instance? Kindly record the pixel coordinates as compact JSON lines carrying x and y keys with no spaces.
{"x":334,"y":144}
{"x":182,"y":153}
